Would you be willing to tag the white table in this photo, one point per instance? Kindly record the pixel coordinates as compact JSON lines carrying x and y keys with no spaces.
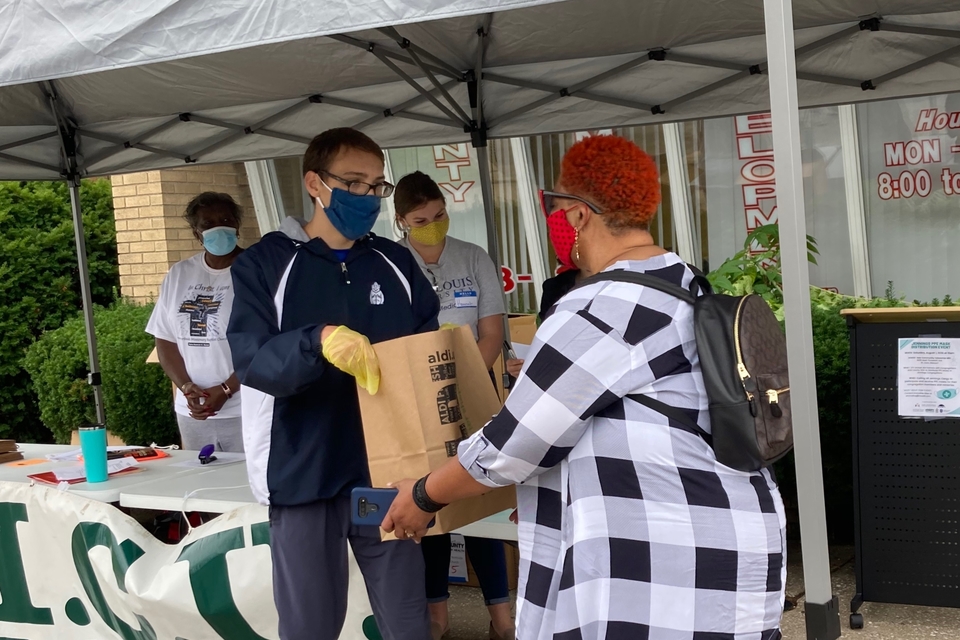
{"x":215,"y":490}
{"x":224,"y":488}
{"x":108,"y":491}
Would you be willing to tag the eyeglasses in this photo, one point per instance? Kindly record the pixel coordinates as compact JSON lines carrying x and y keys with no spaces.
{"x":358,"y":188}
{"x":548,"y":205}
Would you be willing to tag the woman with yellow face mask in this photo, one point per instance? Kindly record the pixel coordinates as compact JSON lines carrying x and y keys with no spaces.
{"x":470,"y":291}
{"x":463,"y":275}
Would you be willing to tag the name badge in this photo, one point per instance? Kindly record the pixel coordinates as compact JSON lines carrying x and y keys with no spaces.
{"x":464,"y":299}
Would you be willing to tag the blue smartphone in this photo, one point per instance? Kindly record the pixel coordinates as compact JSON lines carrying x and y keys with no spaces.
{"x":368,"y":506}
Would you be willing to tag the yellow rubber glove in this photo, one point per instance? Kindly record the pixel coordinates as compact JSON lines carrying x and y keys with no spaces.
{"x":449,"y":325}
{"x":352,"y":353}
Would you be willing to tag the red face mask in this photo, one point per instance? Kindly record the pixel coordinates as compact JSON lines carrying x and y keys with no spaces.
{"x":562,"y":237}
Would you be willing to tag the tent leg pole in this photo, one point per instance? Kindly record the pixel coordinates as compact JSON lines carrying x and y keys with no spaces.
{"x":479,"y":141}
{"x":822,"y":608}
{"x":493,"y":240}
{"x":486,"y":189}
{"x":86,"y":297}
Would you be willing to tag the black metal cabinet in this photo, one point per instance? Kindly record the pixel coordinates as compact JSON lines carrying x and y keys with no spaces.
{"x":906,"y":473}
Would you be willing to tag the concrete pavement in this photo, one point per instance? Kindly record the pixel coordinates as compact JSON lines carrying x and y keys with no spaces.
{"x":882,"y":621}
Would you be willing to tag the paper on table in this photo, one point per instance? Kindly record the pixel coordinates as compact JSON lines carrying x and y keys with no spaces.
{"x":74,"y":454}
{"x":77,"y":472}
{"x":70,"y":473}
{"x":223,"y":459}
{"x":521,"y":350}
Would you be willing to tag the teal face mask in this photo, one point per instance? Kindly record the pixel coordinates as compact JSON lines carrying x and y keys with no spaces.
{"x":220,"y":241}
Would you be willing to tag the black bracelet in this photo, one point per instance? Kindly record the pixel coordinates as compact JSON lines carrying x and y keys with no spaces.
{"x":422,"y":500}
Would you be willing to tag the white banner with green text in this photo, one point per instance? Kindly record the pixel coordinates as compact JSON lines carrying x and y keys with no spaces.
{"x":74,"y":568}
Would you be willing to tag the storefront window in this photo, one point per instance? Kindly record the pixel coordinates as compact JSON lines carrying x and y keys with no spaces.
{"x":912,"y":183}
{"x":548,"y":152}
{"x":454,"y":168}
{"x":741,"y":189}
{"x":290,"y":183}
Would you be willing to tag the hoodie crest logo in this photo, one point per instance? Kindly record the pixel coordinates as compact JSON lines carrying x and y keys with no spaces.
{"x":376,"y":295}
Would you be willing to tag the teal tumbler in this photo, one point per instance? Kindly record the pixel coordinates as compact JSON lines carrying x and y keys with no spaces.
{"x":93,"y":445}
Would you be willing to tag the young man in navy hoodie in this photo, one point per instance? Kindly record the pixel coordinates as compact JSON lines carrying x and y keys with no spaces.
{"x":309,"y":301}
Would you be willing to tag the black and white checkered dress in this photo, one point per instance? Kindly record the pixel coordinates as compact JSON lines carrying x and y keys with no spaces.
{"x":629,"y":528}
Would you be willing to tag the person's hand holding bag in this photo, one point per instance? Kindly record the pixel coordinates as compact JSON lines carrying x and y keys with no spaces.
{"x":352,"y":353}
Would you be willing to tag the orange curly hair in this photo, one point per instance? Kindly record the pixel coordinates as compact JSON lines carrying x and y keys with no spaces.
{"x":617,"y":176}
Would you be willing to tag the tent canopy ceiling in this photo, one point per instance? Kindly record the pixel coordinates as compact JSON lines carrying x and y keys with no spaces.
{"x":156,"y":84}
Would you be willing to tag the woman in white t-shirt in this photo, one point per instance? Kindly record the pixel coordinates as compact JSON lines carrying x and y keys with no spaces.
{"x":471,"y":293}
{"x":190,"y":321}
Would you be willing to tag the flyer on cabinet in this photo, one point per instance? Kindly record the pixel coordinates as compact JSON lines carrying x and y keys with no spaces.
{"x":928,"y":377}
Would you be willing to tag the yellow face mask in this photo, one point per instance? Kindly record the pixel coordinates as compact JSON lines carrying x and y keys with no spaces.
{"x":431,"y":234}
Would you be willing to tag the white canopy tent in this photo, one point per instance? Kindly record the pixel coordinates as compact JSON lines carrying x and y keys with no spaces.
{"x":158,"y":84}
{"x":95,"y":88}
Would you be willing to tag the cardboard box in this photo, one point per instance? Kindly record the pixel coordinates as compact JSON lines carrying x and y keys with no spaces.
{"x":434,"y":392}
{"x":112,"y":440}
{"x":522,"y":329}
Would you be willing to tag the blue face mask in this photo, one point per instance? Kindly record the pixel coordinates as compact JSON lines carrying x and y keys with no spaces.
{"x":220,"y":241}
{"x":352,"y":215}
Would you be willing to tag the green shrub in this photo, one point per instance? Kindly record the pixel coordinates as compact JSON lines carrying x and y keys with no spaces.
{"x":40,"y":283}
{"x":755,"y":269}
{"x":137,"y":395}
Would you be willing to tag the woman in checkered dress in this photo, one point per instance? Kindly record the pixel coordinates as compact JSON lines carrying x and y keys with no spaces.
{"x":629,"y":528}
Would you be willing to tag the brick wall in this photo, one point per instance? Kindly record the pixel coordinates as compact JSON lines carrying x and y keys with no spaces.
{"x":151,"y":232}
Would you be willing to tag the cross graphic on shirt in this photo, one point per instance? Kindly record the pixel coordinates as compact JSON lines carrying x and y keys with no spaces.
{"x":199,"y":308}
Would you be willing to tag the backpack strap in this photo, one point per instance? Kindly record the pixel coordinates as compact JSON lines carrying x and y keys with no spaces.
{"x":698,"y":286}
{"x":672,"y":413}
{"x":642,"y":279}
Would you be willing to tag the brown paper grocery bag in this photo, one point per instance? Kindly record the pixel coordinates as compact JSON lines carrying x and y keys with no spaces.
{"x":434,"y":392}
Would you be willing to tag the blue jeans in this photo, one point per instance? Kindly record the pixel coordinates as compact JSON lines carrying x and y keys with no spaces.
{"x":487,"y":558}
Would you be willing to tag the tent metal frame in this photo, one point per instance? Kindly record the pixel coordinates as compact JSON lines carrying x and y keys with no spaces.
{"x":67,"y":133}
{"x":453,"y":114}
{"x":821,"y":609}
{"x":780,"y":66}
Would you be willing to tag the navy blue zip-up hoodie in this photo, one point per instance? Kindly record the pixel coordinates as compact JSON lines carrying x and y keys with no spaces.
{"x":301,"y":417}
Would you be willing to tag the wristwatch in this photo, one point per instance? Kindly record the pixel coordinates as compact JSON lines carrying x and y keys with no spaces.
{"x":226,"y":390}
